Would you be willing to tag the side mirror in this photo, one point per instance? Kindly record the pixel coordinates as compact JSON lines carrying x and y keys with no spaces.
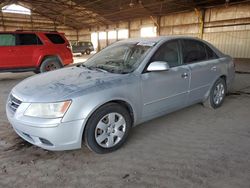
{"x":158,"y":66}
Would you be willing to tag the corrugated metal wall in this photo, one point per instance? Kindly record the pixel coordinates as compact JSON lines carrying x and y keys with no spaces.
{"x":235,"y":43}
{"x":227,"y":28}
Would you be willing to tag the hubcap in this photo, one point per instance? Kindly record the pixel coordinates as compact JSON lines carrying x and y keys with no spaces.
{"x":219,"y":93}
{"x":51,"y":66}
{"x":110,"y":130}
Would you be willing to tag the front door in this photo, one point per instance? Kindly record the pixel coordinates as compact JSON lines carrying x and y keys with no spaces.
{"x":165,"y":91}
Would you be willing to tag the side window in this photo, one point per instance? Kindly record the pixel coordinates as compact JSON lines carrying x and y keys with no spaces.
{"x":28,"y":39}
{"x":210,"y":53}
{"x":55,"y":38}
{"x":168,"y":52}
{"x":7,"y":40}
{"x":193,"y":51}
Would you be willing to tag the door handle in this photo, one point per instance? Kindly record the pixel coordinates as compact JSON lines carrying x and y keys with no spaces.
{"x":184,"y":75}
{"x":214,"y":68}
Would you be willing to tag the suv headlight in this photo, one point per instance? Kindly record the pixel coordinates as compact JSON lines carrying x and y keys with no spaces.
{"x":47,"y":110}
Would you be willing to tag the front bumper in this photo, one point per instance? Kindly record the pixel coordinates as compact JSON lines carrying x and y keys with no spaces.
{"x":57,"y":136}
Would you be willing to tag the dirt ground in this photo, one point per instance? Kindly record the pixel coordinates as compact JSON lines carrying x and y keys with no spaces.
{"x":193,"y":147}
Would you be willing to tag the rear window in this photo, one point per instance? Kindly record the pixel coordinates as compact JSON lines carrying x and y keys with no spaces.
{"x":7,"y":40}
{"x":28,"y":39}
{"x":85,"y":44}
{"x":55,"y":38}
{"x":210,"y":53}
{"x":81,"y":44}
{"x":193,"y":51}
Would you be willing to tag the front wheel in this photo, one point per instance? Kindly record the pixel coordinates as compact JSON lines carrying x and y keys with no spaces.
{"x":108,"y":128}
{"x":217,"y":94}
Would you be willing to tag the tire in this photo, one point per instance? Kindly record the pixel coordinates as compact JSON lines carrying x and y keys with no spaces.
{"x":217,"y":94}
{"x":88,"y":51}
{"x":104,"y":135}
{"x":50,"y":64}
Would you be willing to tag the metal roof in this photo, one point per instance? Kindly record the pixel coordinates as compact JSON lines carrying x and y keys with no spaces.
{"x":86,"y":13}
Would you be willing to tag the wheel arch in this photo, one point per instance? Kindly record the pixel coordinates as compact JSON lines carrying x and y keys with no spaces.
{"x":121,"y":102}
{"x":43,"y":58}
{"x":224,"y":77}
{"x":126,"y":105}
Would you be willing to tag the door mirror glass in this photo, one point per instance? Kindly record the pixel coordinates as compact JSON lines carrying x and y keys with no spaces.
{"x":158,"y":66}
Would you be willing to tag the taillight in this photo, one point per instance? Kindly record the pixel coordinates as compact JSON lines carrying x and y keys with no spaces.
{"x":69,"y":47}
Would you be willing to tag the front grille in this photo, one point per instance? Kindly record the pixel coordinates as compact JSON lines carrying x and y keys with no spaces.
{"x":14,"y":103}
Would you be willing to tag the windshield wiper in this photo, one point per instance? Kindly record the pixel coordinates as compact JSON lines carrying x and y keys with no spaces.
{"x":82,"y":65}
{"x":102,"y":68}
{"x":90,"y":67}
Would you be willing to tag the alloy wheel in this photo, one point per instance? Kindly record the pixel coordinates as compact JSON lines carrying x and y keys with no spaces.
{"x":110,"y":130}
{"x":219,"y":93}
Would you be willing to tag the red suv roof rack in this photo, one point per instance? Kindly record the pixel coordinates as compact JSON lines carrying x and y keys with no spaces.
{"x":37,"y":30}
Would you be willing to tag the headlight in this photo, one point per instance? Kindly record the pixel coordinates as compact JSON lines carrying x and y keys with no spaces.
{"x":48,"y":110}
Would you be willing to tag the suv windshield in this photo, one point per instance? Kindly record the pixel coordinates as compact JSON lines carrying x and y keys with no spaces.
{"x":122,"y":58}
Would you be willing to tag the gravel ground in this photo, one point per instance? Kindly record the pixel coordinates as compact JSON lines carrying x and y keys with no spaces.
{"x":193,"y":147}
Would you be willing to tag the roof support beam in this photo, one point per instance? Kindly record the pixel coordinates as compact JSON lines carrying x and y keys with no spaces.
{"x":61,"y":21}
{"x":201,"y":17}
{"x":99,"y":18}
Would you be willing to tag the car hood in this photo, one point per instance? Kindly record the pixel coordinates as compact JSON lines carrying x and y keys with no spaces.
{"x":61,"y":84}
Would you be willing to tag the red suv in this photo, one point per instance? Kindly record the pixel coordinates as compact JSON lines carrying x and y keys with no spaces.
{"x":33,"y":51}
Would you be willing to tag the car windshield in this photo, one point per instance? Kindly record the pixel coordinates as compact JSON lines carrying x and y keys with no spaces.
{"x":122,"y":58}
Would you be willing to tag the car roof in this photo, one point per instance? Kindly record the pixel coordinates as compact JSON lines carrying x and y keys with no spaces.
{"x":28,"y":32}
{"x":157,"y":39}
{"x":165,"y":38}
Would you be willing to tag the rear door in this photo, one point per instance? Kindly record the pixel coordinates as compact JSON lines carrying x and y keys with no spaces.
{"x":202,"y":65}
{"x":8,"y":59}
{"x":29,"y":49}
{"x":165,"y":91}
{"x":60,"y":46}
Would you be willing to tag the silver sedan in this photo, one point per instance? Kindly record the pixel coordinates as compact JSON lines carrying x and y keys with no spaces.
{"x":126,"y":84}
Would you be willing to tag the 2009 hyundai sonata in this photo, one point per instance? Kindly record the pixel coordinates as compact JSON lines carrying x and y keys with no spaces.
{"x":125,"y":84}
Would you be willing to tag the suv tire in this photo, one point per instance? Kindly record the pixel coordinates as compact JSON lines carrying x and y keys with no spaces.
{"x":88,"y":51}
{"x":50,"y":64}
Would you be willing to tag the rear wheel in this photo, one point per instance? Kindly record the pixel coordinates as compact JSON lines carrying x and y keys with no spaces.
{"x":108,"y":128}
{"x":217,"y":94}
{"x":88,"y":51}
{"x":50,"y":64}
